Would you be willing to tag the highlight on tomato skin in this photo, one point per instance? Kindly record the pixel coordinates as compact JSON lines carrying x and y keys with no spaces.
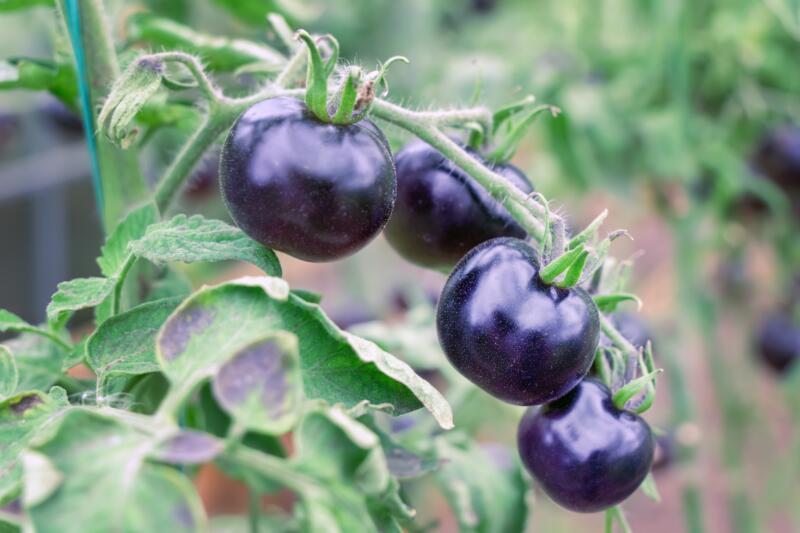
{"x":315,"y":191}
{"x":441,"y":212}
{"x":586,"y":454}
{"x":508,"y":332}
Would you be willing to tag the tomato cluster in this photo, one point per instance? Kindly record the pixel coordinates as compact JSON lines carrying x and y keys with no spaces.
{"x":320,"y":191}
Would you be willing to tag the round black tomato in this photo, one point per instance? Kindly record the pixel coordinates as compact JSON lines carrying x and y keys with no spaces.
{"x":586,"y":454}
{"x":316,"y":191}
{"x":442,"y":212}
{"x":778,"y":158}
{"x":519,"y":339}
{"x":779,"y":342}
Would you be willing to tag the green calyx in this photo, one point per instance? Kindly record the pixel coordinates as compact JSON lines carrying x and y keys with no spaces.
{"x":643,"y":386}
{"x":509,"y":125}
{"x":318,"y":73}
{"x":356,"y":91}
{"x":567,"y":263}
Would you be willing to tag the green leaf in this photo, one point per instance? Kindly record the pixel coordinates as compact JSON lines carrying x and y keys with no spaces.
{"x":216,"y":322}
{"x":22,"y":418}
{"x":114,"y":253}
{"x":309,"y":296}
{"x":125,"y":343}
{"x":9,"y":375}
{"x":402,"y":462}
{"x":343,"y":452}
{"x":39,"y":75}
{"x":102,"y":460}
{"x":196,"y":239}
{"x":14,"y":5}
{"x":77,"y":294}
{"x":38,"y":361}
{"x":218,"y":53}
{"x":11,"y":322}
{"x":484,"y":487}
{"x":8,"y":524}
{"x":75,"y":355}
{"x":260,"y":385}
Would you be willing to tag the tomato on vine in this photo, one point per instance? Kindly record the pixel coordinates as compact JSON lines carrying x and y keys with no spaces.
{"x":584,"y":452}
{"x":510,"y":333}
{"x":779,"y":342}
{"x":314,"y":190}
{"x":442,"y":212}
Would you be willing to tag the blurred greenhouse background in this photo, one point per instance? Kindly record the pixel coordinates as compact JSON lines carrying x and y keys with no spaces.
{"x":664,"y":105}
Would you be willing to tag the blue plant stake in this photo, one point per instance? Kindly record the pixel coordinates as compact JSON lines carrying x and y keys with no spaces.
{"x":72,"y":14}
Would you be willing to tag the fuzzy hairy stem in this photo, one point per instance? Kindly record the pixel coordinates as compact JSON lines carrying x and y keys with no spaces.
{"x":513,"y":199}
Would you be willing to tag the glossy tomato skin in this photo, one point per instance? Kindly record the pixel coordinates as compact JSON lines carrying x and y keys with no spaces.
{"x":779,"y":342}
{"x":442,"y":212}
{"x":586,"y":454}
{"x":313,"y":190}
{"x":519,"y":339}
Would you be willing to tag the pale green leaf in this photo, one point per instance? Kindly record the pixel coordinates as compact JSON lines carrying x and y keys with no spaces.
{"x":115,"y":252}
{"x":102,"y":460}
{"x":484,"y":487}
{"x":38,"y":360}
{"x":76,"y":294}
{"x":343,"y":452}
{"x":336,"y":366}
{"x":11,"y":322}
{"x":197,"y":239}
{"x":125,"y":343}
{"x":9,"y":375}
{"x":22,"y":418}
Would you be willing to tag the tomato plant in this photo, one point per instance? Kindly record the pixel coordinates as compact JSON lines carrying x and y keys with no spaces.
{"x":251,"y":374}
